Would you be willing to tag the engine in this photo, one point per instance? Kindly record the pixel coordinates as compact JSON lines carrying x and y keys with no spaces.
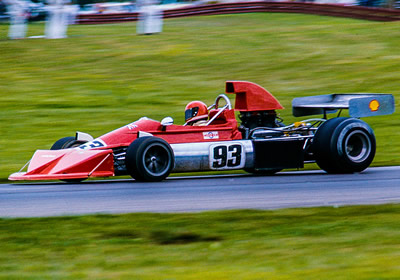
{"x":256,"y":105}
{"x":260,"y":119}
{"x":256,"y":119}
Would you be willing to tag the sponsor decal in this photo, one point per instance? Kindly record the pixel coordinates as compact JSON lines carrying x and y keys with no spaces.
{"x":374,"y":105}
{"x":97,"y":143}
{"x":48,"y":156}
{"x":227,"y":156}
{"x":210,"y":135}
{"x":132,"y":126}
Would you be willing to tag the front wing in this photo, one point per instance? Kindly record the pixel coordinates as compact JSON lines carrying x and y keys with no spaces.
{"x":67,"y":164}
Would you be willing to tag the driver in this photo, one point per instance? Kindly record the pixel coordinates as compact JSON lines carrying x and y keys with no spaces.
{"x":196,"y":113}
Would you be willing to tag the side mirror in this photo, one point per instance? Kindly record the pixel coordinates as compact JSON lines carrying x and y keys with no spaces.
{"x":166,"y":122}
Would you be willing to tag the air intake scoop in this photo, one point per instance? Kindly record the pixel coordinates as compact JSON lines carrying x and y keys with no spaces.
{"x":251,"y":97}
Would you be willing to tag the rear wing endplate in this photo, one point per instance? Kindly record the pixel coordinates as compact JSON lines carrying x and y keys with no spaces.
{"x":359,"y":104}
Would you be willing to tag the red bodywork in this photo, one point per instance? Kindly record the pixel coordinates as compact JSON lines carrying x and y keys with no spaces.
{"x":226,"y":126}
{"x":95,"y":159}
{"x":68,"y":164}
{"x":251,"y":97}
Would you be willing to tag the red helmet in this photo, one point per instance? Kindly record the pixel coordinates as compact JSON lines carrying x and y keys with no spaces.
{"x":196,"y":110}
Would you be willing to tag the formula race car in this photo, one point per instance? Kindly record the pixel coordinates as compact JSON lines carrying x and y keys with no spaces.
{"x":149,"y":150}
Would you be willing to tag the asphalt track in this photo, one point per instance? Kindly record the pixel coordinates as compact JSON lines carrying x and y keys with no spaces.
{"x":191,"y":194}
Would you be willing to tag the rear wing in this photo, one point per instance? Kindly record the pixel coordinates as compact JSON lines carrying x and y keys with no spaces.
{"x":359,"y":104}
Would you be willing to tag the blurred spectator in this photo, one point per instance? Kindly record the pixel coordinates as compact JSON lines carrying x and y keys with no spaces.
{"x":18,"y":10}
{"x":58,"y":19}
{"x":150,"y":18}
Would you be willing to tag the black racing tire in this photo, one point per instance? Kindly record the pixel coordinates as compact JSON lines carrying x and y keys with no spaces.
{"x":73,"y":181}
{"x":66,"y":143}
{"x":265,"y":172}
{"x":344,"y":145}
{"x":149,"y":159}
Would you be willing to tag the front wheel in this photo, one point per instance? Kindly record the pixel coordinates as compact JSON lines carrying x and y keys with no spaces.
{"x":149,"y":159}
{"x":344,"y":145}
{"x":265,"y":171}
{"x":66,"y":143}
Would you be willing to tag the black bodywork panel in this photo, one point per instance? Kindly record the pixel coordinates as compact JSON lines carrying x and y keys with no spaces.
{"x":278,"y":153}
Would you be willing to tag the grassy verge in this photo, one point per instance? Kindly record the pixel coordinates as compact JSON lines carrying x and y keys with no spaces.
{"x":105,"y":76}
{"x":317,"y":243}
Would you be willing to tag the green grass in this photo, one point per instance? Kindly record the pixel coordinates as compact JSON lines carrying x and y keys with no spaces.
{"x":316,"y":243}
{"x":105,"y":76}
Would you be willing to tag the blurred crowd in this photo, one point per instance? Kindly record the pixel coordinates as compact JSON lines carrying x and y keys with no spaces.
{"x":60,"y":13}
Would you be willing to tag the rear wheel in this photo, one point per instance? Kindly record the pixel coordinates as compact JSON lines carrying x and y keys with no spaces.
{"x":344,"y":145}
{"x":149,"y":159}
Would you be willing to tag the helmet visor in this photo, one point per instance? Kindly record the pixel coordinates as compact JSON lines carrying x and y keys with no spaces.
{"x":191,"y":112}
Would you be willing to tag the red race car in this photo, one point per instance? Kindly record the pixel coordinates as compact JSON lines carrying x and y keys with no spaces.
{"x":212,"y":139}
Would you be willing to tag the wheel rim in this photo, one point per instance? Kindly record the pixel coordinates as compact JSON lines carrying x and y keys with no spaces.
{"x":358,"y":146}
{"x":156,"y":160}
